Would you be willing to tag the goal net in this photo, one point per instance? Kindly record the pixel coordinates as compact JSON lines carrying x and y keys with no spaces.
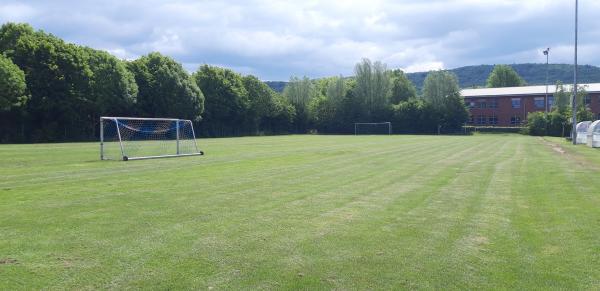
{"x":372,"y":128}
{"x":128,"y":138}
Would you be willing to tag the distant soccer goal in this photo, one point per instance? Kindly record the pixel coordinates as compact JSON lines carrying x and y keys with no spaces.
{"x":129,"y":138}
{"x":372,"y":128}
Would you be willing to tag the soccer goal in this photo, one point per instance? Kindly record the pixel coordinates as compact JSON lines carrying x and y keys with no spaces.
{"x":129,"y":138}
{"x":372,"y":128}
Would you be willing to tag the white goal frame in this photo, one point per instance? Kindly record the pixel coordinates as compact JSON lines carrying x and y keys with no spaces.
{"x":357,"y":124}
{"x":123,"y":150}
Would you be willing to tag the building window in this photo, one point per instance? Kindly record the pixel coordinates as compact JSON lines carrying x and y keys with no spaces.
{"x":493,"y":103}
{"x":481,"y":119}
{"x":482,"y":104}
{"x":516,"y":102}
{"x":493,"y":120}
{"x":550,"y":101}
{"x":470,"y":119}
{"x":539,"y":102}
{"x":515,"y":120}
{"x":587,"y":100}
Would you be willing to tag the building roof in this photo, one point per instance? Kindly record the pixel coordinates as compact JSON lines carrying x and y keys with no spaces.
{"x":524,"y":90}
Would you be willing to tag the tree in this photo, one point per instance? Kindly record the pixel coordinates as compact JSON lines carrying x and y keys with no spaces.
{"x":558,"y":124}
{"x":300,"y":92}
{"x":226,"y":102}
{"x":373,"y":86}
{"x":414,"y":116}
{"x":438,"y":86}
{"x":12,"y":85}
{"x":504,"y":76}
{"x":10,"y":33}
{"x":113,"y":87}
{"x":166,"y":89}
{"x":352,"y":108}
{"x":328,"y":108}
{"x":561,"y":98}
{"x":58,"y":80}
{"x":69,"y":85}
{"x":582,"y":95}
{"x":454,"y":114}
{"x":268,"y":110}
{"x":336,"y":90}
{"x":402,"y":88}
{"x":282,"y":122}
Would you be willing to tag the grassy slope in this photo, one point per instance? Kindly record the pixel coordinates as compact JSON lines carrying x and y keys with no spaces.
{"x":485,"y":211}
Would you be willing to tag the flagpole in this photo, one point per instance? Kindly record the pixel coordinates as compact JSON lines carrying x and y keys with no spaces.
{"x":574,"y":128}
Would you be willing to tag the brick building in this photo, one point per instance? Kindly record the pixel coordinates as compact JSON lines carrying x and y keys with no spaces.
{"x":509,"y":106}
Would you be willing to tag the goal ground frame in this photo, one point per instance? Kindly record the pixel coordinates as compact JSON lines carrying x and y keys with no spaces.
{"x":124,"y":156}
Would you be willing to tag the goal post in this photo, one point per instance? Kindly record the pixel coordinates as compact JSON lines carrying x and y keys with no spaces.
{"x":131,"y":138}
{"x":372,"y":128}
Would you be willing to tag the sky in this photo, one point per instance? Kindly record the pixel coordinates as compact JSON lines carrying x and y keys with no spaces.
{"x":274,"y":40}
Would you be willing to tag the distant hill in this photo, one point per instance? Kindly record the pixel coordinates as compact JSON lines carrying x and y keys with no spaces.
{"x":476,"y":76}
{"x":533,"y":74}
{"x":278,"y":86}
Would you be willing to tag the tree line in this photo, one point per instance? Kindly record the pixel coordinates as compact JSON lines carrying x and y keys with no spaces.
{"x":51,"y":90}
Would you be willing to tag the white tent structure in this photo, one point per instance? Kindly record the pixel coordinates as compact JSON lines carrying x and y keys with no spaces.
{"x":582,"y":131}
{"x":593,"y":134}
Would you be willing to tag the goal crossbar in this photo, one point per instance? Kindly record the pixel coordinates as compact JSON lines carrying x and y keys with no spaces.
{"x":141,"y":118}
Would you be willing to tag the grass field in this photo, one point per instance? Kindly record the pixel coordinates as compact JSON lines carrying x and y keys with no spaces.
{"x":310,"y":212}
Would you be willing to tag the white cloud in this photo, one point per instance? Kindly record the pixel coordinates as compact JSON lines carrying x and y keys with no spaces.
{"x":276,"y":39}
{"x":424,"y":67}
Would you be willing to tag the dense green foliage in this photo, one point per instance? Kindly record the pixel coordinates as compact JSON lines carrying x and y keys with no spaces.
{"x":300,"y":92}
{"x":402,"y":88}
{"x":555,"y":123}
{"x":69,"y":87}
{"x":58,"y":80}
{"x":537,"y":123}
{"x":415,"y":116}
{"x":562,"y":98}
{"x":375,"y":94}
{"x":166,"y":89}
{"x":308,"y":212}
{"x":113,"y":87}
{"x":12,"y":84}
{"x":373,"y":87}
{"x":438,"y":86}
{"x":269,"y":112}
{"x":226,"y":101}
{"x":504,"y":76}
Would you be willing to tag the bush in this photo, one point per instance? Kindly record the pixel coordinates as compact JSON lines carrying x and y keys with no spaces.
{"x":414,"y":116}
{"x":558,"y":124}
{"x":537,"y":123}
